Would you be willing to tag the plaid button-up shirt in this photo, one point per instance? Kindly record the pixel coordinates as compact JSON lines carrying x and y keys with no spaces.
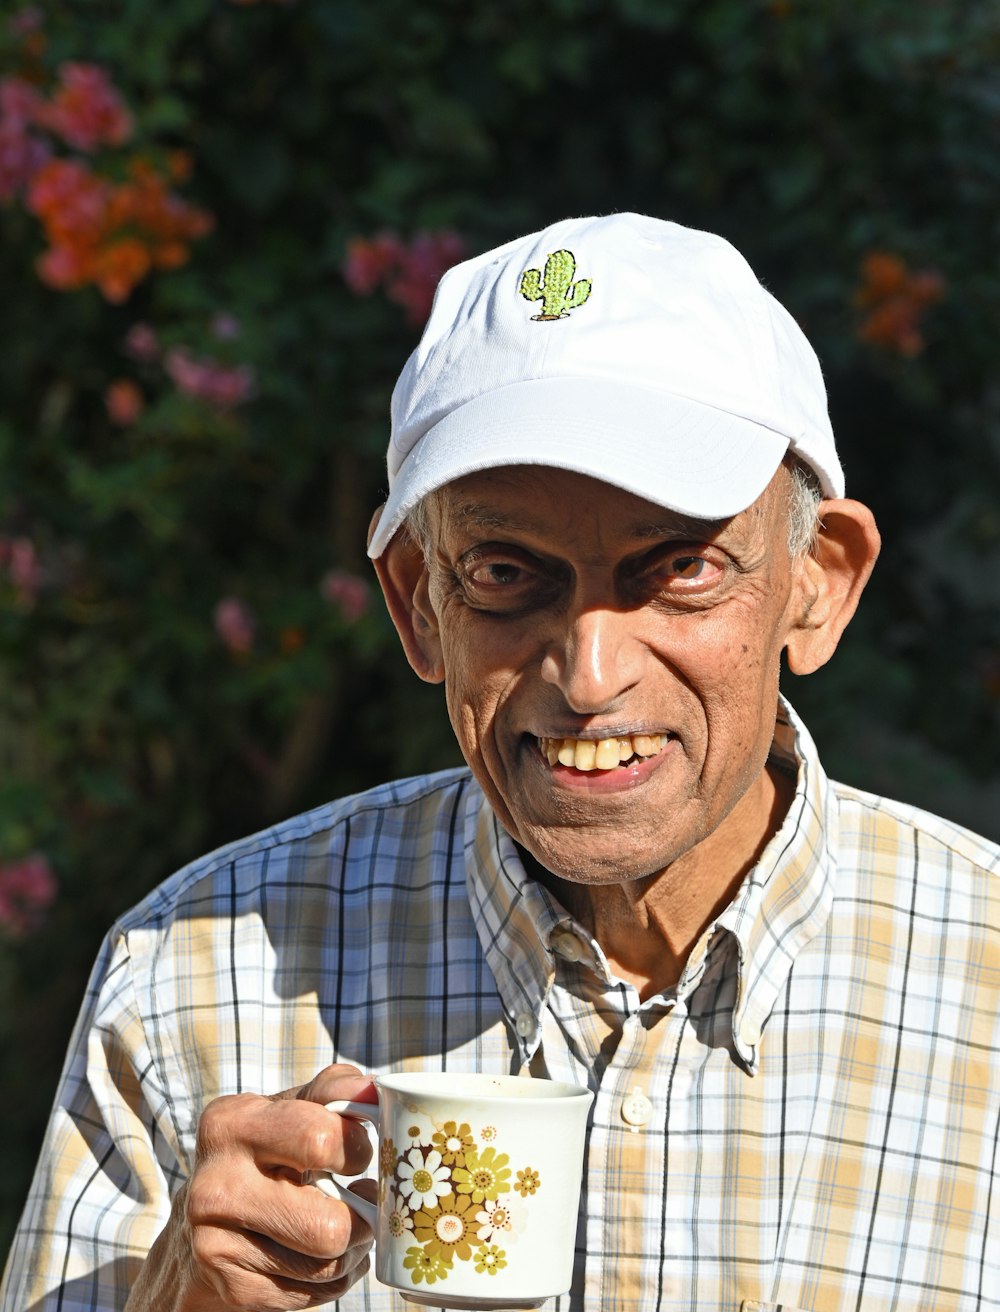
{"x":810,"y":1119}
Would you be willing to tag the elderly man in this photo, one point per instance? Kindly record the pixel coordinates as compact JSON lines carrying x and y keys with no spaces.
{"x":615,"y":501}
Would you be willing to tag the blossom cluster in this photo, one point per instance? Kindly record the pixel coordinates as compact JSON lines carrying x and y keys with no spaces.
{"x":105,"y":231}
{"x":111,"y":234}
{"x":221,"y":386}
{"x":450,"y":1195}
{"x":408,"y":272}
{"x":895,"y":299}
{"x":27,"y":890}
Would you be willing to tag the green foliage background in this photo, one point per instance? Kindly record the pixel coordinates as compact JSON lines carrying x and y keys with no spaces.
{"x":809,"y":132}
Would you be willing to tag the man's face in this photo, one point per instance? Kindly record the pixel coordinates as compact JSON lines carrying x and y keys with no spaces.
{"x":578,"y":619}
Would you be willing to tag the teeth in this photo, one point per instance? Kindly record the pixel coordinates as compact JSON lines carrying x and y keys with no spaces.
{"x":605,"y":754}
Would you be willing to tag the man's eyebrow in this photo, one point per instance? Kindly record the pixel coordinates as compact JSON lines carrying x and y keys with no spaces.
{"x":677,"y":526}
{"x":474,"y":514}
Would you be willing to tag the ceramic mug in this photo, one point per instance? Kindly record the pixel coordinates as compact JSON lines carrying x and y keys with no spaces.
{"x":478,"y":1186}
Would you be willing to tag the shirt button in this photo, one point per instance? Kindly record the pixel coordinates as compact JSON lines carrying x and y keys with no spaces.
{"x":525,"y":1024}
{"x":636,"y":1109}
{"x":568,"y":946}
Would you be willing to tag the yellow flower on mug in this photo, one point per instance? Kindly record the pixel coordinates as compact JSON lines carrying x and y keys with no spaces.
{"x":484,"y":1175}
{"x":425,"y":1266}
{"x":490,"y":1259}
{"x":453,"y":1141}
{"x":446,"y":1229}
{"x":387,"y":1158}
{"x":527,"y":1182}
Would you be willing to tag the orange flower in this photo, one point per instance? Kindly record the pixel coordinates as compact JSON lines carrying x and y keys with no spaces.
{"x":124,"y":401}
{"x":897,"y":300}
{"x":292,"y":639}
{"x":110,"y":234}
{"x":118,"y":266}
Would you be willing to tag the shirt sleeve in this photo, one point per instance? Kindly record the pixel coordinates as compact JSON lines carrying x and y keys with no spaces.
{"x":109,"y":1164}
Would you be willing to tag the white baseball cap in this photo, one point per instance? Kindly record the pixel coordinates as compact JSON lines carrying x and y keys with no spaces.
{"x":637,"y":351}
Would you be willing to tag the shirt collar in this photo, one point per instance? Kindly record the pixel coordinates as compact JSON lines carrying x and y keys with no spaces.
{"x":786,"y":898}
{"x":780,"y":906}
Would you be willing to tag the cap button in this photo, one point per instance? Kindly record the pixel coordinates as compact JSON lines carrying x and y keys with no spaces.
{"x":636,"y":1109}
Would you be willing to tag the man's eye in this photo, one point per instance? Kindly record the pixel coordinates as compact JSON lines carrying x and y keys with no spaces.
{"x":687,"y":567}
{"x":685,"y":571}
{"x":496,"y":573}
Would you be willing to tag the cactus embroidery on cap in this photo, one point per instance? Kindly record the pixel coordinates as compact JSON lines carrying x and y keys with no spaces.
{"x":555,"y":287}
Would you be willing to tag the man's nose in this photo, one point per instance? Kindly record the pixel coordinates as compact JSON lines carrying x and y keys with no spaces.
{"x":593,"y":659}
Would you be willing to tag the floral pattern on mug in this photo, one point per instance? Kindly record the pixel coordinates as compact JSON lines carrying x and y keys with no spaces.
{"x":494,"y":1221}
{"x":399,"y":1220}
{"x":484,"y":1175}
{"x":453,"y":1141}
{"x":423,"y":1178}
{"x":445,"y":1193}
{"x":527,"y":1182}
{"x":490,"y":1259}
{"x":424,"y":1266}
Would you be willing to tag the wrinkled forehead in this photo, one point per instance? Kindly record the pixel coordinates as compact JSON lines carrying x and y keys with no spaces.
{"x":534,"y":499}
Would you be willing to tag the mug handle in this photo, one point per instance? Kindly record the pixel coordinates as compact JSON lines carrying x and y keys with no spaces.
{"x":329,"y":1184}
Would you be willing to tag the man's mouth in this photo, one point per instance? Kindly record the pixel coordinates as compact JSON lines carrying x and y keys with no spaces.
{"x":601,"y":753}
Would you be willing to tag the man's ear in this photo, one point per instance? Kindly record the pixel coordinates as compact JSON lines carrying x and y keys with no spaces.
{"x":830,"y":582}
{"x":402,"y":573}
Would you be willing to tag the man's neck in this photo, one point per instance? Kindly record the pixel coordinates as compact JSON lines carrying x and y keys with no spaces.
{"x":648,"y":927}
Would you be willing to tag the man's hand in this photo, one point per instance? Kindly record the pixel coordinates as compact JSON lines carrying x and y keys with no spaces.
{"x":244,"y":1231}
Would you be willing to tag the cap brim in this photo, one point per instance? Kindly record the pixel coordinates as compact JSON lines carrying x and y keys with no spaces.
{"x":665,"y":448}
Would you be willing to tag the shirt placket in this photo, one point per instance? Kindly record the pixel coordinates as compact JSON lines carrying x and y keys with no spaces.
{"x":638,"y":1229}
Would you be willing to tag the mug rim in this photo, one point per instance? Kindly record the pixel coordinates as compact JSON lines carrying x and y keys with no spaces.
{"x":461,"y":1084}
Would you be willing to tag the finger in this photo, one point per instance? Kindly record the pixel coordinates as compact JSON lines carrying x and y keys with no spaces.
{"x":316,"y":1295}
{"x":339,"y":1082}
{"x":299,"y":1135}
{"x":290,"y":1215}
{"x":241,"y":1274}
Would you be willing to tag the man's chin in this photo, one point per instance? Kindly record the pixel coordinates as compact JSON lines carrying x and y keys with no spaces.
{"x":589,"y":863}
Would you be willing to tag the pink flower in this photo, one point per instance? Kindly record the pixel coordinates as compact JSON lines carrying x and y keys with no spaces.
{"x":226,"y":327}
{"x":236,"y":625}
{"x":27,"y":890}
{"x":24,"y":569}
{"x":20,"y":102}
{"x":347,"y":591}
{"x":22,"y":153}
{"x":86,"y":110}
{"x":369,"y":261}
{"x":142,"y":343}
{"x":223,"y":386}
{"x":409,"y":273}
{"x":429,"y":256}
{"x":73,"y":194}
{"x":26,"y":21}
{"x":124,"y":401}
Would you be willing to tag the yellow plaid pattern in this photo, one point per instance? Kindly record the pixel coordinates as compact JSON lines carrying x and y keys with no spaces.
{"x":810,"y":1120}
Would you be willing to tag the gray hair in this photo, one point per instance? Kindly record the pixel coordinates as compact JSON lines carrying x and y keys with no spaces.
{"x":804,"y":497}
